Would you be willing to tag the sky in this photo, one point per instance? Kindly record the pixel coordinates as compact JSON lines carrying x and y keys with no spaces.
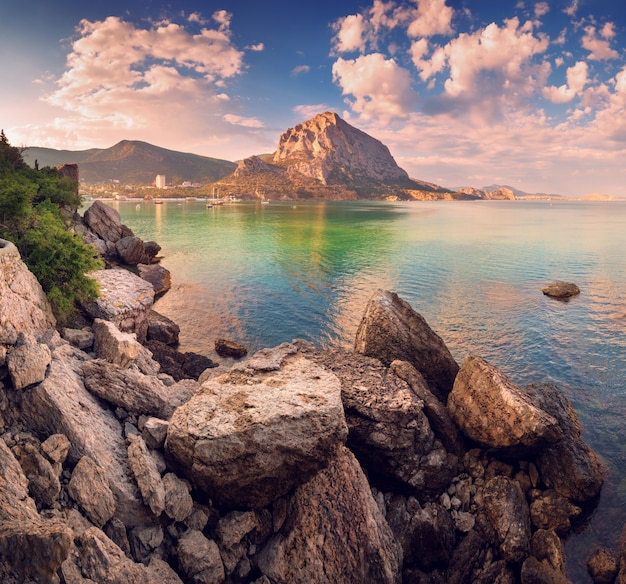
{"x":530,"y":94}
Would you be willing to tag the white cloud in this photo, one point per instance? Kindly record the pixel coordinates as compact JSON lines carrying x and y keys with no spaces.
{"x":608,"y":31}
{"x":308,"y":111}
{"x":541,"y":9}
{"x":572,"y":9}
{"x":256,"y":48}
{"x":350,"y":34}
{"x":600,"y":49}
{"x":432,"y":17}
{"x":576,"y":80}
{"x":243,"y":121}
{"x":300,"y":69}
{"x":379,"y":87}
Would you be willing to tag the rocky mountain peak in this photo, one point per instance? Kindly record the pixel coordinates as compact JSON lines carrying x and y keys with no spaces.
{"x":332,"y":151}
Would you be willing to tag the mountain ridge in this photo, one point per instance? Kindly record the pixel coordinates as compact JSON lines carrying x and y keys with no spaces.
{"x":133,"y":162}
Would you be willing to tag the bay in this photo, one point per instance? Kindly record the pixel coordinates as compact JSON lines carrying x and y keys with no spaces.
{"x":266,"y":274}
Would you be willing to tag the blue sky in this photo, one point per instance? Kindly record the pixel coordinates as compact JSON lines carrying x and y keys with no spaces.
{"x":463,"y":92}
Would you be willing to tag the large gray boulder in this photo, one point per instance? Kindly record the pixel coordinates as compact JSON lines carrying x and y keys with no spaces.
{"x":391,"y":329}
{"x":252,"y":434}
{"x":334,"y":532}
{"x":157,"y":275}
{"x":28,"y":362}
{"x":507,"y":511}
{"x":149,"y":395}
{"x":24,"y":307}
{"x":161,"y":328}
{"x":62,"y":405}
{"x":30,"y":547}
{"x":388,"y":429}
{"x":105,"y":221}
{"x":130,"y":249}
{"x":125,"y":300}
{"x":113,"y":345}
{"x":89,"y":487}
{"x":569,"y":466}
{"x":491,"y":410}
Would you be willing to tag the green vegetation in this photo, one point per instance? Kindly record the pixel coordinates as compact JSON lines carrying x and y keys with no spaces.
{"x":32,"y":205}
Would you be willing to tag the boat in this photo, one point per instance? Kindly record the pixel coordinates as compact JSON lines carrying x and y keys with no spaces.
{"x":158,"y":202}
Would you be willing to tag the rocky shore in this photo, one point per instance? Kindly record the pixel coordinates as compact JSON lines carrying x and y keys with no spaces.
{"x":123,"y":460}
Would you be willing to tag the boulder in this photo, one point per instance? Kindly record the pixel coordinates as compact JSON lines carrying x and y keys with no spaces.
{"x":89,"y":487}
{"x":178,"y":501}
{"x":226,"y":348}
{"x":161,"y":328}
{"x":196,"y":364}
{"x":388,"y":430}
{"x":154,"y":432}
{"x":149,"y":395}
{"x":561,"y":290}
{"x":431,"y":537}
{"x":440,"y":421}
{"x":199,"y":559}
{"x":491,"y":410}
{"x":114,"y":346}
{"x":391,"y":329}
{"x":144,"y":469}
{"x":334,"y":532}
{"x":30,"y":546}
{"x":603,"y":566}
{"x":125,"y":300}
{"x":43,"y":482}
{"x":28,"y":363}
{"x":157,"y":275}
{"x":547,"y":547}
{"x":81,"y":338}
{"x":56,"y":448}
{"x":130,"y":250}
{"x":105,"y":221}
{"x":179,"y":365}
{"x":105,"y":563}
{"x":62,"y":405}
{"x":251,"y":435}
{"x":507,"y":511}
{"x":535,"y":572}
{"x":24,"y":307}
{"x":569,"y":467}
{"x":550,"y":510}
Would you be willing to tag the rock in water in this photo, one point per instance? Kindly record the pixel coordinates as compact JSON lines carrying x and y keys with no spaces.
{"x":561,"y":290}
{"x":391,"y":329}
{"x":491,"y":410}
{"x":251,"y":435}
{"x":105,"y":221}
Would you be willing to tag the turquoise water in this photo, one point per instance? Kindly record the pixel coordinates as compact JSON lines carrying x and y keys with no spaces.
{"x":265,"y":274}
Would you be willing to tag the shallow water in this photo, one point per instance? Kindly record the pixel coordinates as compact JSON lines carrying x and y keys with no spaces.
{"x":265,"y":274}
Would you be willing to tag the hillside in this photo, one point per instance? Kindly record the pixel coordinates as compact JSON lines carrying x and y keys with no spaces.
{"x":134,"y":162}
{"x":327,"y":158}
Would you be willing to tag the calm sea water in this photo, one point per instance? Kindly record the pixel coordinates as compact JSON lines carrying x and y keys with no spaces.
{"x":265,"y":274}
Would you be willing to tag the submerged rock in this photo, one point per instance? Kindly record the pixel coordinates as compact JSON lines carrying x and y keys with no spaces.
{"x":249,"y":436}
{"x":391,"y":329}
{"x":226,"y":348}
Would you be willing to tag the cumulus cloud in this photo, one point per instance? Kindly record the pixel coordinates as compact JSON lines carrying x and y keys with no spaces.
{"x":308,"y":111}
{"x":541,"y":9}
{"x":257,"y":47}
{"x":431,"y":17}
{"x":350,"y":34}
{"x":599,"y":48}
{"x":124,"y":79}
{"x":576,"y":81}
{"x":378,"y":87}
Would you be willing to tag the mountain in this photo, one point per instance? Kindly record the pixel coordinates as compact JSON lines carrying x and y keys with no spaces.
{"x":134,"y":162}
{"x":327,"y":158}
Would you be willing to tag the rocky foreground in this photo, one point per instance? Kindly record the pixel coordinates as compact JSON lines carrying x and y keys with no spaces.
{"x":390,"y":463}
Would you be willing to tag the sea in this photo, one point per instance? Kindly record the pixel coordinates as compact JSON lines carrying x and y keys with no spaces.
{"x":263,"y":274}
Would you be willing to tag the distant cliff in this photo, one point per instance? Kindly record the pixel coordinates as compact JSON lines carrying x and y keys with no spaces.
{"x":327,"y":158}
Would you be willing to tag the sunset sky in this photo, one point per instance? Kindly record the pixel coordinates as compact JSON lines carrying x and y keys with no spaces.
{"x":463,"y":92}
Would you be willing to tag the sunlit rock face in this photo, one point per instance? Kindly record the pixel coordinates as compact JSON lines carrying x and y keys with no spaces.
{"x":330,"y":150}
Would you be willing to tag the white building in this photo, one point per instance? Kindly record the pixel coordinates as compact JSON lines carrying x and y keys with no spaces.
{"x":160,"y":181}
